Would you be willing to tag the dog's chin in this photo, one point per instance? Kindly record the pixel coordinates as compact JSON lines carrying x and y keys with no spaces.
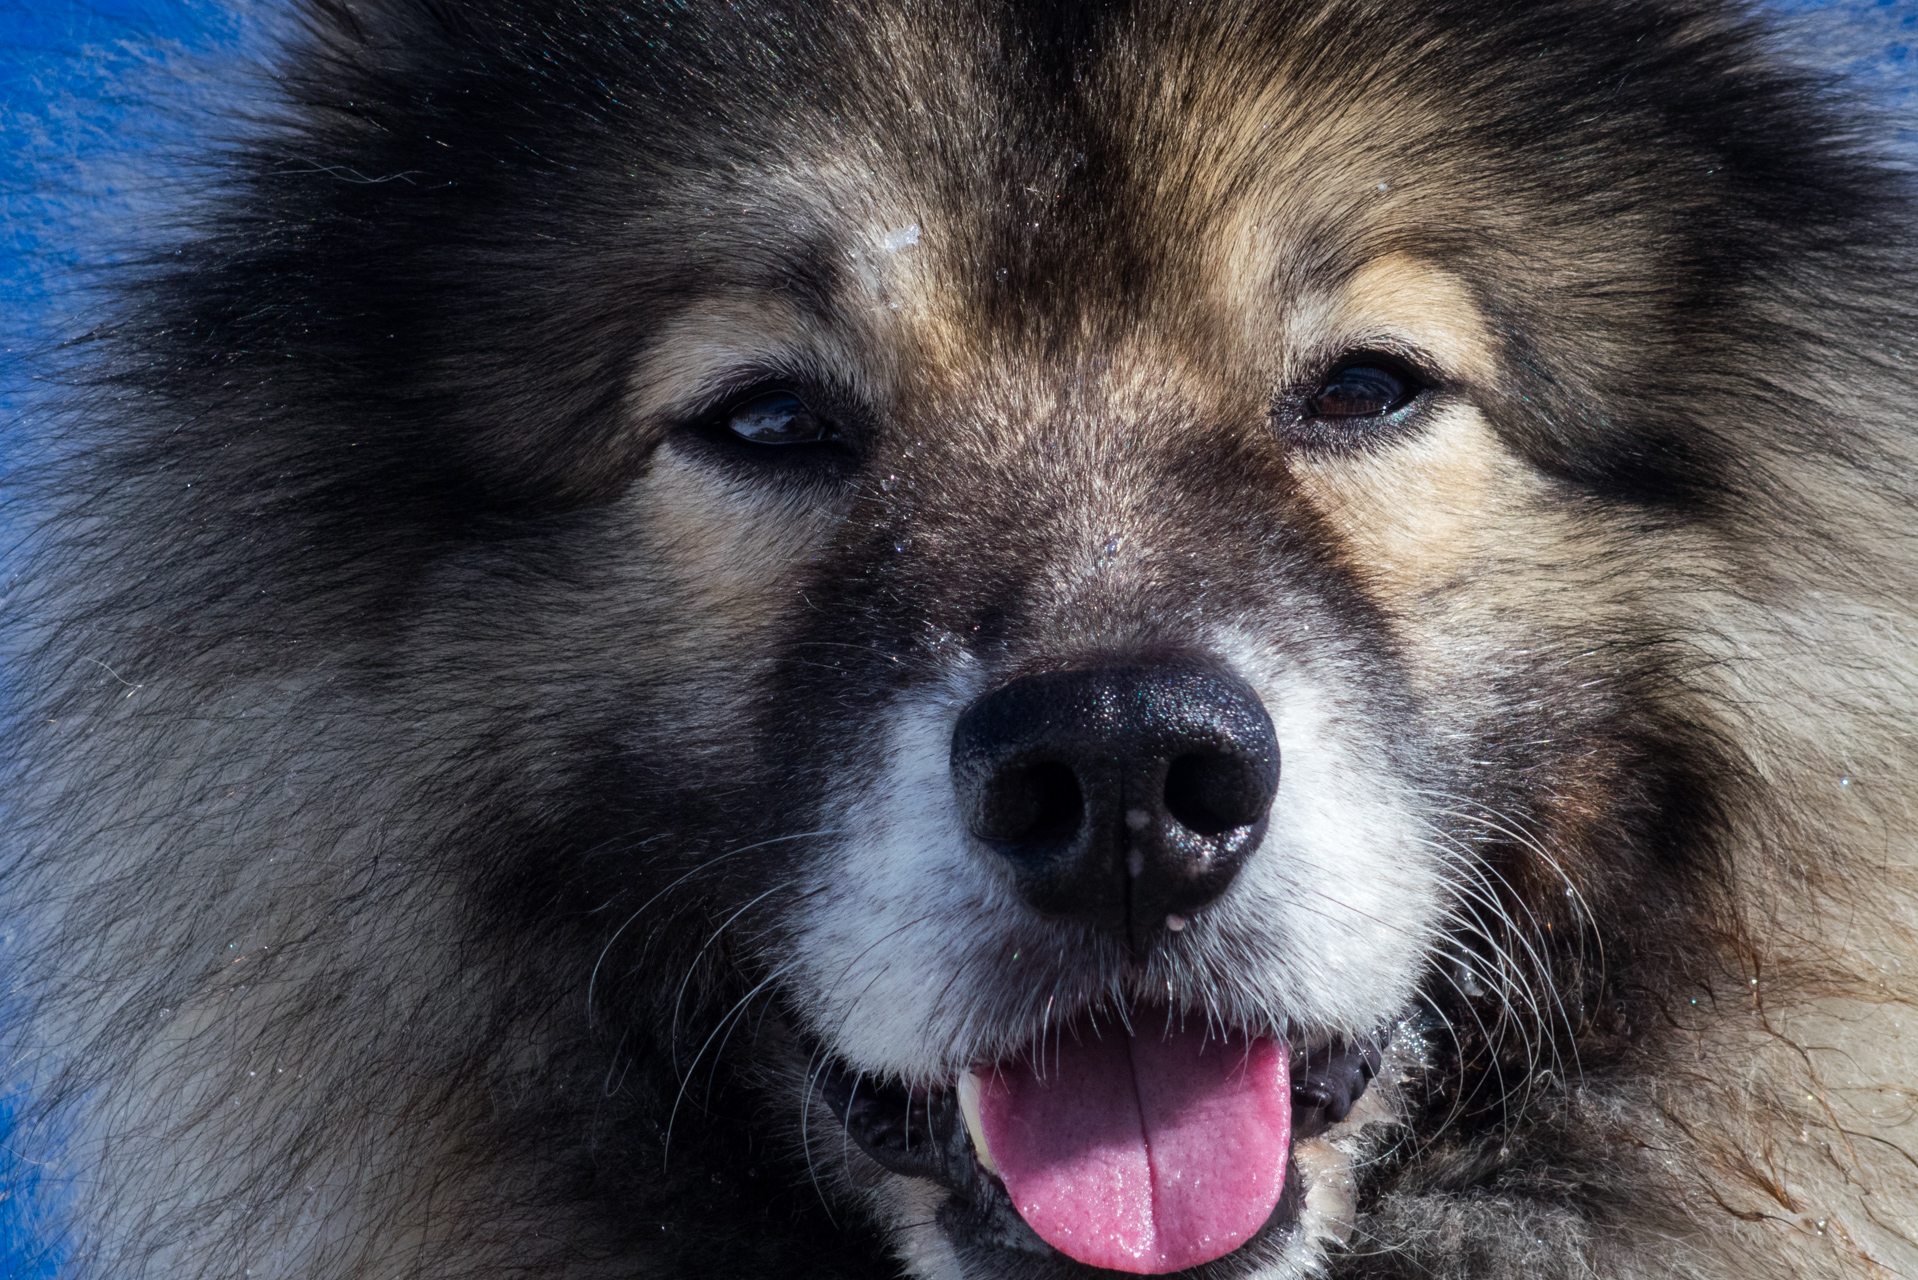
{"x":955,"y":1218}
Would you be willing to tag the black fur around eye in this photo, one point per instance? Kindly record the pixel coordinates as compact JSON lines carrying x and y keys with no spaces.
{"x":1367,"y":388}
{"x":777,"y":418}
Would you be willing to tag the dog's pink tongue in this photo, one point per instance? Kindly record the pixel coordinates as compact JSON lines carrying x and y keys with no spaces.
{"x":1142,"y":1153}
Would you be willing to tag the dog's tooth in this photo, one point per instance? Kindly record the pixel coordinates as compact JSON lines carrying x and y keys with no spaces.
{"x":975,"y":1129}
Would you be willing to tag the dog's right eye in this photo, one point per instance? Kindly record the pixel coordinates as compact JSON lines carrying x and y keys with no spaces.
{"x":1360,"y":391}
{"x":1368,"y":387}
{"x":777,"y":418}
{"x":1368,"y":398}
{"x":776,"y":430}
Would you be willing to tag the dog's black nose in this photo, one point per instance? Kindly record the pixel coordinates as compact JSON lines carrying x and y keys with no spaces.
{"x":1120,"y":795}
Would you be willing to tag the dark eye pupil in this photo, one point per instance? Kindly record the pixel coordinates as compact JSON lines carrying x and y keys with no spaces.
{"x":1361,"y":391}
{"x":778,"y":417}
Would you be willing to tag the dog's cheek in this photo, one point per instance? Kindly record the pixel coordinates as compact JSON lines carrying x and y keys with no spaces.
{"x":707,"y":566}
{"x":1416,"y":516}
{"x":730,"y":548}
{"x":634,"y":632}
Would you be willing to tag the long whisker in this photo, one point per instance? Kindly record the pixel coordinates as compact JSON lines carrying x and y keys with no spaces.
{"x":692,"y":966}
{"x":815,"y":1069}
{"x":1490,"y":909}
{"x":593,"y":979}
{"x":686,"y":1078}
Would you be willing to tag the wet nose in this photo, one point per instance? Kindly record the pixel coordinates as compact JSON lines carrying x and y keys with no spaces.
{"x":1120,"y":796}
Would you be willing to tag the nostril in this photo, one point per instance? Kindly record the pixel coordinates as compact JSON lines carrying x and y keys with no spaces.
{"x":1212,"y":793}
{"x":1057,"y":803}
{"x":1035,"y":804}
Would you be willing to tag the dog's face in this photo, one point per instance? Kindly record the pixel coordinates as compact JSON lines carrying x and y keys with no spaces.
{"x":1077,"y":603}
{"x":1132,"y":582}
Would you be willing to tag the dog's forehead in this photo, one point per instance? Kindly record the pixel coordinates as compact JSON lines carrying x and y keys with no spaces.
{"x":1180,"y":213}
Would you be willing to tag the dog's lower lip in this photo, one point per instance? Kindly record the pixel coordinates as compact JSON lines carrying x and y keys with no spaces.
{"x":926,"y":1133}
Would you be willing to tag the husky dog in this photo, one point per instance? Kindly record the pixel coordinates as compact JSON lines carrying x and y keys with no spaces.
{"x":986,"y":642}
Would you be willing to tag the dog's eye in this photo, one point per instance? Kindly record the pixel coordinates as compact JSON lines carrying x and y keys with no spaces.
{"x":775,"y":430}
{"x":1362,"y":390}
{"x":778,"y":417}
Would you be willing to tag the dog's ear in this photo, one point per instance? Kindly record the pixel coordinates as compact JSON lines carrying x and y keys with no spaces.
{"x":463,"y":297}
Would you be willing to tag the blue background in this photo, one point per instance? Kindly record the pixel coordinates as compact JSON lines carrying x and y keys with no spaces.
{"x":102,"y":104}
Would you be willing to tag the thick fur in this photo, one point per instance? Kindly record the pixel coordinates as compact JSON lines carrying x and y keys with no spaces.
{"x":457,"y":801}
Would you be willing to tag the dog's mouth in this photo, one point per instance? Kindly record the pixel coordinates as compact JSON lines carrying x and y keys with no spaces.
{"x":1145,"y":1151}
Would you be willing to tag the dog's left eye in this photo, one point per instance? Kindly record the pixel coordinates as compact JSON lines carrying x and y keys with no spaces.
{"x":1362,"y":390}
{"x":778,"y":417}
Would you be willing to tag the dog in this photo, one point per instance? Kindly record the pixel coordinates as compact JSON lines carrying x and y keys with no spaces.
{"x":982,"y":641}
